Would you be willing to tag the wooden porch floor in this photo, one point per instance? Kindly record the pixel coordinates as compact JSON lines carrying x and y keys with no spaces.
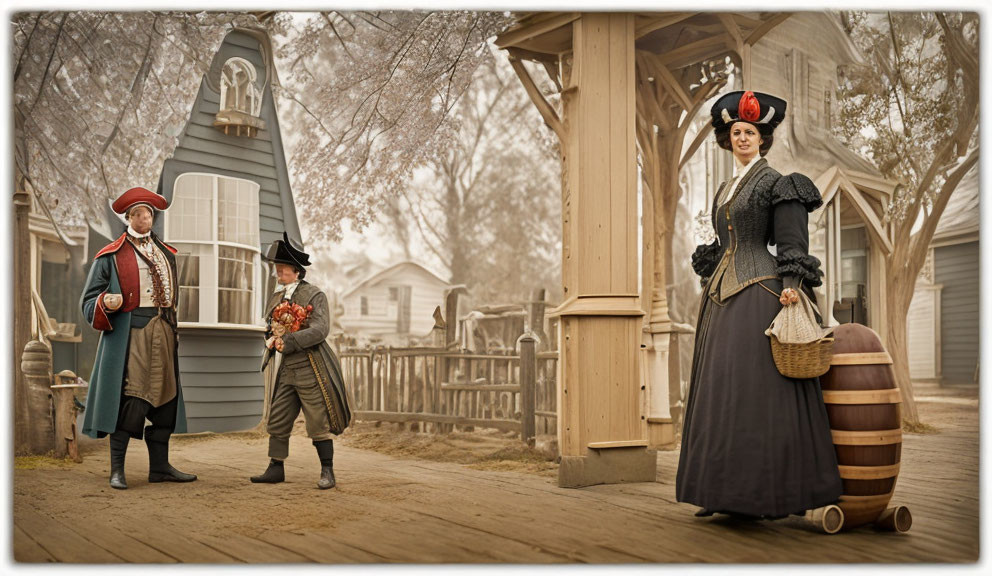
{"x":390,"y":509}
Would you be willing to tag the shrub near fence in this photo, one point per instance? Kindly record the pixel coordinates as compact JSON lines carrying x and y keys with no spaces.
{"x":438,"y":389}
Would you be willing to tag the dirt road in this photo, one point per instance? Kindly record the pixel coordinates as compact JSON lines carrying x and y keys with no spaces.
{"x":491,"y":502}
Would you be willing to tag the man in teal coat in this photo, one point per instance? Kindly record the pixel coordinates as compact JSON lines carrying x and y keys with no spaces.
{"x":130,"y":296}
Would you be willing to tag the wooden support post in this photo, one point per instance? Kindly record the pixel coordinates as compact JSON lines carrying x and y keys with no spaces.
{"x":535,"y":317}
{"x":528,"y":386}
{"x":22,"y":316}
{"x":600,"y":319}
{"x":63,"y":398}
{"x":451,"y":316}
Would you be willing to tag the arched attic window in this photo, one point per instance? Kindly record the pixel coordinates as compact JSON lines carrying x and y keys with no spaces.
{"x":240,"y":98}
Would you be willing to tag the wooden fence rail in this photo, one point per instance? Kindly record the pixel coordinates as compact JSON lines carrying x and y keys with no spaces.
{"x":438,"y":389}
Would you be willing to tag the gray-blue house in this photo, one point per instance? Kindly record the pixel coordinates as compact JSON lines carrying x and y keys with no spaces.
{"x":229,"y":195}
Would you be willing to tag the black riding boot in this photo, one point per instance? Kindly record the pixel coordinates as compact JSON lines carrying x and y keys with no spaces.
{"x":274,"y":474}
{"x":159,"y":469}
{"x":118,"y":449}
{"x":325,"y":449}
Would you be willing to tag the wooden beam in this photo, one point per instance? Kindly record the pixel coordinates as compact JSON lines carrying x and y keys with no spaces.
{"x":653,"y":111}
{"x":746,"y":66}
{"x":617,"y":444}
{"x":528,"y":32}
{"x":543,"y":106}
{"x":728,"y":22}
{"x":766,"y":27}
{"x":525,"y":54}
{"x":661,"y":22}
{"x":825,"y":183}
{"x":745,"y":21}
{"x":663,"y":74}
{"x":867,"y":214}
{"x":696,"y":143}
{"x":696,"y":51}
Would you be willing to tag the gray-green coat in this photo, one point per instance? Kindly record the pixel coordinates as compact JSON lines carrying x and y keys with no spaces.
{"x":308,"y":346}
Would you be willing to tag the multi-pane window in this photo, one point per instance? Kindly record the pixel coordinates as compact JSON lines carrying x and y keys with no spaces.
{"x":213,"y":222}
{"x":237,"y":87}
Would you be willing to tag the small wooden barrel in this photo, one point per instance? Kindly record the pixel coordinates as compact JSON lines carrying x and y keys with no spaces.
{"x":862,"y":402}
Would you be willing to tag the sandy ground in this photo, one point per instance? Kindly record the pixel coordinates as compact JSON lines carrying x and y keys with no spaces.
{"x":486,"y":496}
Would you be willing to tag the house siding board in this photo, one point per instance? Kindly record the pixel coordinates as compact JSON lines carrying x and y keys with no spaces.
{"x":290,"y":222}
{"x":270,"y":211}
{"x":215,"y":394}
{"x":269,"y":198}
{"x":204,"y":381}
{"x":198,"y":342}
{"x":217,"y":148}
{"x":268,"y":224}
{"x":956,"y":267}
{"x":212,"y":133}
{"x":196,"y":410}
{"x":921,"y":335}
{"x":230,"y":163}
{"x":212,"y":362}
{"x":224,"y":424}
{"x":222,"y":363}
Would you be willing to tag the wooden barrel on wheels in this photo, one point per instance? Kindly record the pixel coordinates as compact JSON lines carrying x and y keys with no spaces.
{"x":862,"y":402}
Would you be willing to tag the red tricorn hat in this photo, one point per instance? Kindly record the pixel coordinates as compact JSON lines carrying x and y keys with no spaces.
{"x":139,"y":195}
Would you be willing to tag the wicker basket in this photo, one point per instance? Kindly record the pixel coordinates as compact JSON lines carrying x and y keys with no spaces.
{"x":803,"y":361}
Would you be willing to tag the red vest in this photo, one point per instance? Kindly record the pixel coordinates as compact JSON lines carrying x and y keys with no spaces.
{"x":127,"y":269}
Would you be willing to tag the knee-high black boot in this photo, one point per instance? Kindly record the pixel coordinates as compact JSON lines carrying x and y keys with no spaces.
{"x":325,"y":449}
{"x":118,"y":450}
{"x":159,"y":469}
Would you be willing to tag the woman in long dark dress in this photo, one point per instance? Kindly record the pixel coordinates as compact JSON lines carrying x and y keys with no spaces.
{"x":754,"y":442}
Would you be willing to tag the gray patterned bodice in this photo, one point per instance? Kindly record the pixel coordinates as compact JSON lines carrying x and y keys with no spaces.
{"x":744,"y":227}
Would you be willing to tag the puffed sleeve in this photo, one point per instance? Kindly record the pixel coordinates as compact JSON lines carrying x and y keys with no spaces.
{"x":793,"y":198}
{"x":705,"y":259}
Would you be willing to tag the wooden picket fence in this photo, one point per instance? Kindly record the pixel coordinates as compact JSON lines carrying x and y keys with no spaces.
{"x":440,"y":389}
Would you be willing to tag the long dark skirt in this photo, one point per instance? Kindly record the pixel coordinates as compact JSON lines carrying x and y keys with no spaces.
{"x":753,"y":441}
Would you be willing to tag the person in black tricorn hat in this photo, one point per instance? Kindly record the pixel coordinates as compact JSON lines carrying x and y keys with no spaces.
{"x":307,"y":373}
{"x":755,"y":443}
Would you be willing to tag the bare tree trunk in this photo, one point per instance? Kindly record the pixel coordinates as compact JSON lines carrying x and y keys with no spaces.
{"x":898,"y":305}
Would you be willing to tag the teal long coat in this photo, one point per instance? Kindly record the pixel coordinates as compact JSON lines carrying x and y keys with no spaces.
{"x":106,"y":382}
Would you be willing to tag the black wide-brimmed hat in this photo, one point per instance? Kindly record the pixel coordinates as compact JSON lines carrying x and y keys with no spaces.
{"x":762,"y":110}
{"x":283,"y":252}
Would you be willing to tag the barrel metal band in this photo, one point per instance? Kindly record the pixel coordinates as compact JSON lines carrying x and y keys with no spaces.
{"x":869,"y":472}
{"x":867,"y":438}
{"x":868,"y":499}
{"x":859,"y":358}
{"x":888,"y":396}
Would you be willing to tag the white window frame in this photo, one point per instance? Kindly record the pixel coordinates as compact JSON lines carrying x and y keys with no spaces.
{"x":253,"y":99}
{"x":209,"y":289}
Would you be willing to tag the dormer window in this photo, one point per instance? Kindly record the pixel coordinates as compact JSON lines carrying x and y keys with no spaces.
{"x":240,"y":99}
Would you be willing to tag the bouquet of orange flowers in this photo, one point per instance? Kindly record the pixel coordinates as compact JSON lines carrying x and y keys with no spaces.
{"x":288,"y":317}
